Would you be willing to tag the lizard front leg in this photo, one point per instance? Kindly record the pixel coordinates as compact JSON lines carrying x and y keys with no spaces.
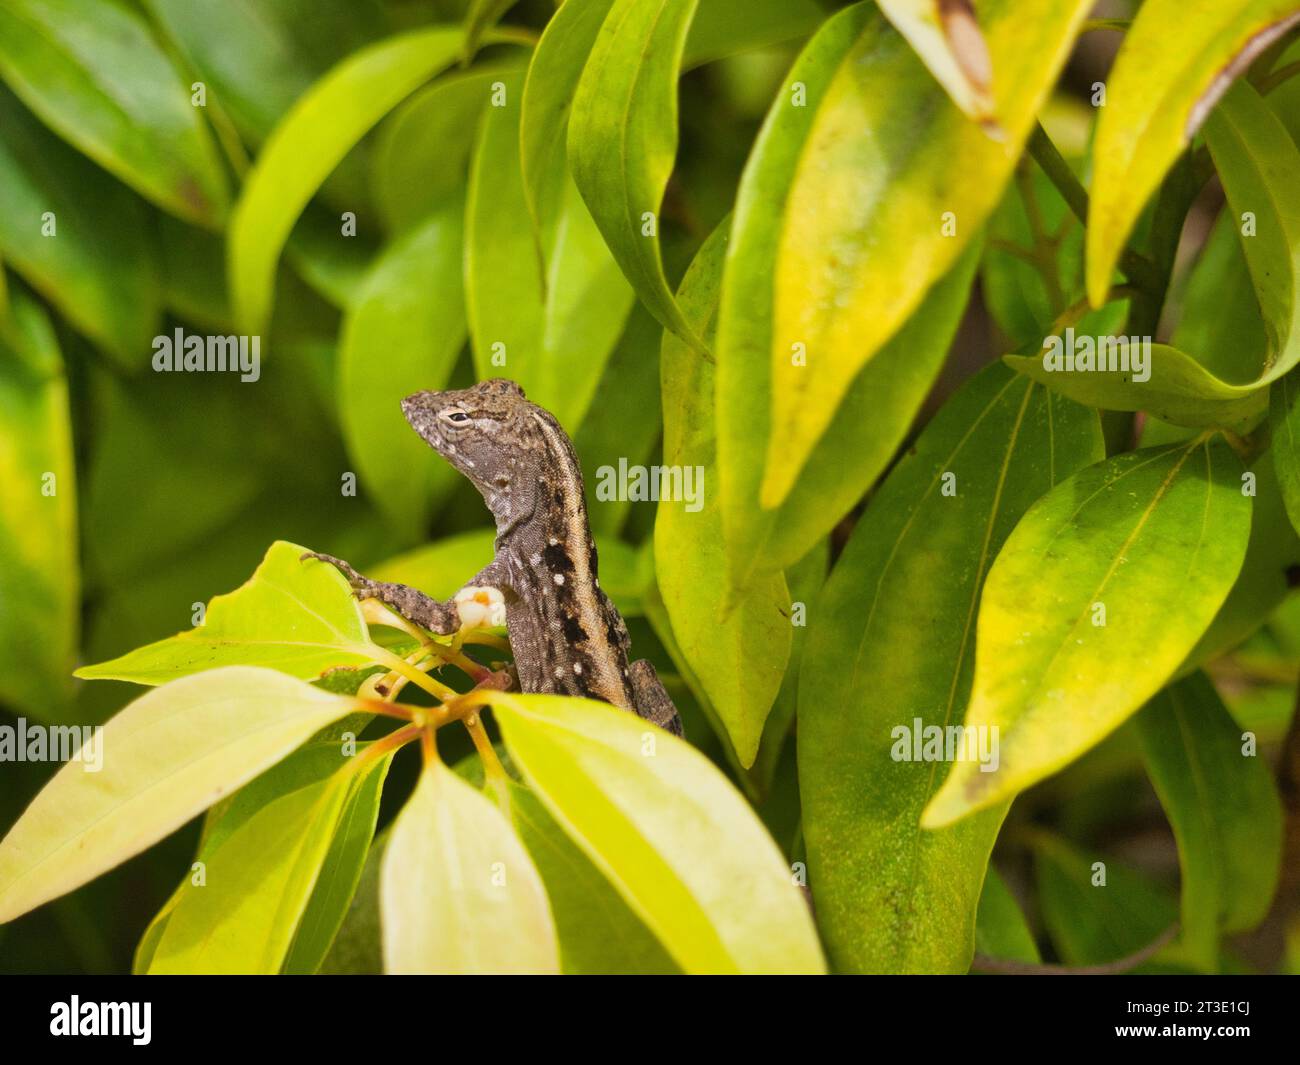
{"x":411,"y":603}
{"x":652,"y":701}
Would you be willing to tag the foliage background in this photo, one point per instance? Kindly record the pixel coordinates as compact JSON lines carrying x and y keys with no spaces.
{"x":177,"y":483}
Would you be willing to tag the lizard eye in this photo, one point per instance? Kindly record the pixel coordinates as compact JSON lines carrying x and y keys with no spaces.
{"x":457,"y":416}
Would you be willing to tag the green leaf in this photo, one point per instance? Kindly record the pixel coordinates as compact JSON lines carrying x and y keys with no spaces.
{"x":863,"y":437}
{"x":97,"y":265}
{"x":890,"y":896}
{"x":481,"y":17}
{"x":1093,"y":603}
{"x":667,"y":829}
{"x":174,"y":752}
{"x":1179,"y":389}
{"x":309,"y":142}
{"x":1284,"y":428}
{"x":1224,"y":810}
{"x":258,"y":58}
{"x":598,"y":933}
{"x":947,"y":38}
{"x":1174,"y":65}
{"x":402,"y":334}
{"x":553,"y":76}
{"x":623,"y":140}
{"x":740,"y":658}
{"x":259,"y":881}
{"x":1272,"y":554}
{"x":296,"y":616}
{"x":40,"y":578}
{"x":459,"y":894}
{"x":1000,"y":927}
{"x":94,"y":74}
{"x":723,"y":28}
{"x":551,"y":327}
{"x":422,"y":150}
{"x":1092,"y":922}
{"x":340,"y":873}
{"x":841,"y":220}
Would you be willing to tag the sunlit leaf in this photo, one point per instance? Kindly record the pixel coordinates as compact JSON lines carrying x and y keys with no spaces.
{"x":1176,"y":61}
{"x":459,"y":893}
{"x":946,"y":35}
{"x":299,"y":617}
{"x":309,"y":142}
{"x":167,"y":757}
{"x":598,"y":933}
{"x":1094,"y":601}
{"x":849,"y":209}
{"x":892,"y":647}
{"x":863,"y":437}
{"x":260,"y":881}
{"x":668,"y":830}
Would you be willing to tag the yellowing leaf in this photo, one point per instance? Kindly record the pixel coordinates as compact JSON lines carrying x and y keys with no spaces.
{"x":946,"y":35}
{"x":864,"y":187}
{"x":298,"y":616}
{"x":1094,"y":602}
{"x":459,"y":894}
{"x":1177,"y":59}
{"x":165,"y":758}
{"x":674,"y":837}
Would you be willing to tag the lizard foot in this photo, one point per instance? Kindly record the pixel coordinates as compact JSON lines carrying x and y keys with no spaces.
{"x":410,"y":603}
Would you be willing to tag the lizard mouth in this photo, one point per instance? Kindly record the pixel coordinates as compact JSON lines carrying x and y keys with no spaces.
{"x":420,"y":409}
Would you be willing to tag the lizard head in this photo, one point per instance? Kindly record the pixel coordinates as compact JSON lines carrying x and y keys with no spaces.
{"x":479,"y":430}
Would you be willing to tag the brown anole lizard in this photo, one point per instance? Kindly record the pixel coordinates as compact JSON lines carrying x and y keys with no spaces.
{"x":566,"y":635}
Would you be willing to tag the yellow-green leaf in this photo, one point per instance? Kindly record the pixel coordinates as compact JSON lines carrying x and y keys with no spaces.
{"x":1095,"y":600}
{"x":401,"y":334}
{"x":309,"y":142}
{"x":1177,"y":60}
{"x":863,"y":188}
{"x":740,"y":658}
{"x":259,"y":882}
{"x":668,"y":830}
{"x":39,"y":579}
{"x":623,"y":140}
{"x":946,"y":35}
{"x":165,"y":758}
{"x":299,"y":617}
{"x":459,"y":894}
